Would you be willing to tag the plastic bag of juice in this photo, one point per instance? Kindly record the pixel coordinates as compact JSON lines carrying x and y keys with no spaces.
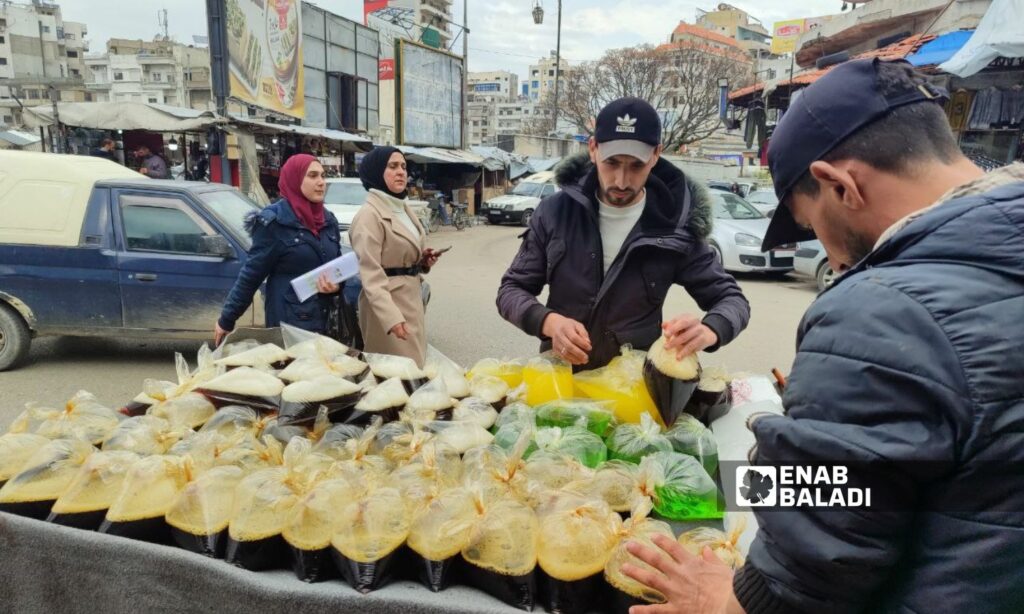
{"x":689,"y":436}
{"x":200,"y":515}
{"x":301,"y":401}
{"x":315,"y":367}
{"x":574,"y":441}
{"x":626,"y":591}
{"x":595,"y":416}
{"x":436,"y":467}
{"x":501,"y":554}
{"x":439,"y":366}
{"x":490,"y":389}
{"x":548,"y":473}
{"x":475,"y":410}
{"x":621,"y":384}
{"x":93,"y":490}
{"x":670,"y":380}
{"x":682,"y":489}
{"x":150,"y":488}
{"x":370,"y":531}
{"x":15,"y":450}
{"x":44,"y":477}
{"x":245,"y":386}
{"x":263,"y":504}
{"x":632,"y":442}
{"x":144,"y":435}
{"x":515,"y":412}
{"x":439,"y":531}
{"x":386,"y":366}
{"x":265,"y":354}
{"x":461,"y":436}
{"x":431,"y":402}
{"x":82,"y":417}
{"x":313,"y":523}
{"x":576,"y":538}
{"x":615,"y":482}
{"x":722,"y":544}
{"x":509,"y":371}
{"x":495,"y":472}
{"x":546,"y":379}
{"x":713,"y":396}
{"x":301,"y":343}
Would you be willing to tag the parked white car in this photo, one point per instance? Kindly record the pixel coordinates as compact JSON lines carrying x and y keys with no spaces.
{"x":518,"y":207}
{"x":812,"y":261}
{"x":736,"y":238}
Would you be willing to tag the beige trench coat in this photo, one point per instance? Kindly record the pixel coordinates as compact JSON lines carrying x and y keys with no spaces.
{"x":381,"y":241}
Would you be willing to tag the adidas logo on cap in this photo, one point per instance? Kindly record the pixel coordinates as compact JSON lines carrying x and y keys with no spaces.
{"x":626,"y":124}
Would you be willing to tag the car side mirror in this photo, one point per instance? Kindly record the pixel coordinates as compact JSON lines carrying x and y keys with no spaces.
{"x":216,"y":245}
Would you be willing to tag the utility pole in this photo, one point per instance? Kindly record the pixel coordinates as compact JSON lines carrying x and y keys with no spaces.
{"x":465,"y":72}
{"x":558,"y":68}
{"x":218,"y":30}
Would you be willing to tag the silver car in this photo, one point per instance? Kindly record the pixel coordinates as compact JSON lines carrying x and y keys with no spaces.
{"x":812,"y":261}
{"x":736,"y":237}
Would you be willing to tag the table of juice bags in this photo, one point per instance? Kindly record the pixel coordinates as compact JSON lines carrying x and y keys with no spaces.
{"x":515,"y":484}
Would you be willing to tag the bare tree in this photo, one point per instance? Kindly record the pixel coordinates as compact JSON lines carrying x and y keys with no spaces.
{"x":679,"y":80}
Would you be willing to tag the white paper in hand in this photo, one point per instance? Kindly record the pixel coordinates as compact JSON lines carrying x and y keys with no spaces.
{"x":338,"y":270}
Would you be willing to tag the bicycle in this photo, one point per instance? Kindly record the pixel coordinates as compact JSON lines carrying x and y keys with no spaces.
{"x":439,"y":215}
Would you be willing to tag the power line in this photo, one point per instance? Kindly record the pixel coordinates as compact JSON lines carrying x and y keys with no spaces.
{"x":520,"y":55}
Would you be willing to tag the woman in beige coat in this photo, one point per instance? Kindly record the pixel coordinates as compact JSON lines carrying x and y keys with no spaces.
{"x":389,"y":241}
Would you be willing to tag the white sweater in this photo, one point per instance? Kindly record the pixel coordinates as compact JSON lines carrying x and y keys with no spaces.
{"x":616,"y":224}
{"x":398,"y":208}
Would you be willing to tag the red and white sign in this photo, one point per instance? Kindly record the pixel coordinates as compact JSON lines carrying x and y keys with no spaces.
{"x":370,"y":6}
{"x":386,"y":70}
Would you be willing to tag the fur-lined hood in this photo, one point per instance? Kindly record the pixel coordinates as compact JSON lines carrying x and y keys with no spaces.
{"x":575,"y":171}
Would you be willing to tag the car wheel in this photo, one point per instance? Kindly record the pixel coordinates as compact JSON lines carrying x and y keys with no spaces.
{"x":718,"y":254}
{"x":15,"y":338}
{"x":527,"y":216}
{"x":826,"y":276}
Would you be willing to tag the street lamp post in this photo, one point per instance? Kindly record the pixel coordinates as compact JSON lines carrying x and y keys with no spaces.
{"x":538,"y":18}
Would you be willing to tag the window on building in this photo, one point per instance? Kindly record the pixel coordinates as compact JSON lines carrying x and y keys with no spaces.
{"x":157,"y":76}
{"x":3,"y":61}
{"x":8,"y":119}
{"x":118,"y":76}
{"x":46,"y":29}
{"x":88,"y":96}
{"x":32,"y":94}
{"x":75,"y":72}
{"x":68,"y":36}
{"x":535,"y":73}
{"x":153,"y":100}
{"x":551,"y":72}
{"x":2,"y":40}
{"x":72,"y":54}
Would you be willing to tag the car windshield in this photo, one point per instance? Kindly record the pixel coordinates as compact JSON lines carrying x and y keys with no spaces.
{"x":231,"y":208}
{"x":345,"y":193}
{"x":529,"y":189}
{"x":731,"y":207}
{"x":763,"y":197}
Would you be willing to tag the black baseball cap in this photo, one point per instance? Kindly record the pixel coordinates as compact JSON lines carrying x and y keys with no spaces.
{"x":843,"y":101}
{"x":628,"y":126}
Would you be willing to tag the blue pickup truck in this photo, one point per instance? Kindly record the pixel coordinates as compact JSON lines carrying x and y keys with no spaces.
{"x":90,"y":248}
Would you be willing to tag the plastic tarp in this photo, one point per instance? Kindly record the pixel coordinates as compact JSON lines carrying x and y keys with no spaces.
{"x":539,"y":165}
{"x":19,"y":138}
{"x":998,"y":35}
{"x":940,"y":49}
{"x":496,"y":159}
{"x":123,"y":116}
{"x":359,"y":143}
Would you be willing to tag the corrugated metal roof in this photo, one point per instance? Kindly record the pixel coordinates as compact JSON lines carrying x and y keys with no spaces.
{"x":19,"y":138}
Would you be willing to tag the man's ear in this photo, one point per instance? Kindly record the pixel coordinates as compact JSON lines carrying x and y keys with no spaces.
{"x":839,"y":181}
{"x":592,"y":148}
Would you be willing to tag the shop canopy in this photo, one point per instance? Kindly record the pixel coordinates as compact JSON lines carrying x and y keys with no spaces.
{"x":17,"y":138}
{"x":999,"y":35}
{"x":496,"y":159}
{"x":123,"y":116}
{"x":437,"y":155}
{"x":350,"y":142}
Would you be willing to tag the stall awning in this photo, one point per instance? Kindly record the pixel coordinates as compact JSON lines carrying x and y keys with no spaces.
{"x":940,"y":49}
{"x":496,"y":159}
{"x":539,"y":165}
{"x":357,"y":142}
{"x":19,"y":138}
{"x":437,"y":155}
{"x":123,"y":116}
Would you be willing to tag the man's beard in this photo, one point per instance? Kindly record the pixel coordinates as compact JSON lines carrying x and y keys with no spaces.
{"x":857,"y":247}
{"x":618,"y":202}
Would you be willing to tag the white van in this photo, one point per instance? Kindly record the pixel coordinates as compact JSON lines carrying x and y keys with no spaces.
{"x":518,"y":207}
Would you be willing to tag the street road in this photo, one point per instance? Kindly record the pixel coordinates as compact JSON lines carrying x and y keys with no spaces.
{"x":462,"y":322}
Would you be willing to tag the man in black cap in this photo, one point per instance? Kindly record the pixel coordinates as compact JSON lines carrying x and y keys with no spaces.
{"x":909,"y":370}
{"x":626,"y":226}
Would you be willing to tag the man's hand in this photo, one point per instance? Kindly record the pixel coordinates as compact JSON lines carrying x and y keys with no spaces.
{"x":690,"y":585}
{"x":687,"y":335}
{"x":569,"y":338}
{"x":144,"y":170}
{"x":401,"y":331}
{"x":325,"y":286}
{"x":219,"y":334}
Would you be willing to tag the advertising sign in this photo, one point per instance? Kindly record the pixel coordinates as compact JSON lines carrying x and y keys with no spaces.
{"x":429,"y":101}
{"x":265,"y":54}
{"x":371,"y":6}
{"x":786,"y":35}
{"x":386,"y":70}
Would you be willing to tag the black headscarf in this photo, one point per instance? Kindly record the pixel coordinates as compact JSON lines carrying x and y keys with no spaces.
{"x":371,"y":170}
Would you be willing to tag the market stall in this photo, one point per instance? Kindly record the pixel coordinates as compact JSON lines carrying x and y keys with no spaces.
{"x":453,"y":174}
{"x":379,"y":485}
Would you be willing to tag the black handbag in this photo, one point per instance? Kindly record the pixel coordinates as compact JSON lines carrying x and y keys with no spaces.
{"x":343,"y":321}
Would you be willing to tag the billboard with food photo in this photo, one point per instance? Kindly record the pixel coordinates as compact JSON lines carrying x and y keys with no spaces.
{"x":265,"y":54}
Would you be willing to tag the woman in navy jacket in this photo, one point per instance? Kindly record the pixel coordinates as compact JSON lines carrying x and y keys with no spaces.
{"x":289,"y":238}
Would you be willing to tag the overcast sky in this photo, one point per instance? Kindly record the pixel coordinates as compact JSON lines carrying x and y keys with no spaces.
{"x":503,"y":36}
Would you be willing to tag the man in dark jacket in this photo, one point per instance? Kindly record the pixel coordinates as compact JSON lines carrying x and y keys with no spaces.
{"x":909,"y":370}
{"x":626,"y":226}
{"x":106,"y":150}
